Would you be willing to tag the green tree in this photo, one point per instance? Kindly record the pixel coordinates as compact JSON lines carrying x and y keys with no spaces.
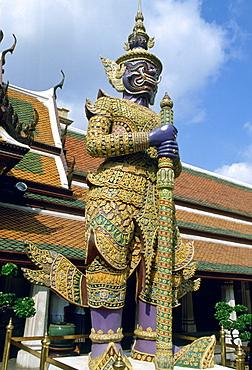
{"x":242,"y":324}
{"x":22,"y":307}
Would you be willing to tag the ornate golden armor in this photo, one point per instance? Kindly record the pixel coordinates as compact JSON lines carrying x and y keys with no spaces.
{"x":121,"y":208}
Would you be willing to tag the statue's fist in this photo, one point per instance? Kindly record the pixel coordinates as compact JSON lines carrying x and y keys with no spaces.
{"x":168,"y":149}
{"x":162,"y":134}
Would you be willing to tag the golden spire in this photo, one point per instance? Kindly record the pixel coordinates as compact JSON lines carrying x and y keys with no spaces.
{"x":139,"y":38}
{"x":139,"y":42}
{"x":139,"y":26}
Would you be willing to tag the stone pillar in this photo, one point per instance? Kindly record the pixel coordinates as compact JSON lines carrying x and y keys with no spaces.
{"x":246,"y":300}
{"x":57,"y":308}
{"x":188,"y":323}
{"x":35,"y":326}
{"x":227,"y":294}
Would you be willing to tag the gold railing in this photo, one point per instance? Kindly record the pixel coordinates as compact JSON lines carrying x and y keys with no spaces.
{"x":239,"y":351}
{"x":45,"y":341}
{"x":43,"y":355}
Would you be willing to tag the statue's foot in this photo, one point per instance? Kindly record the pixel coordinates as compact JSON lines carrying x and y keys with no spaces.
{"x":200,"y":353}
{"x":111,"y":353}
{"x":144,"y":350}
{"x":97,"y":349}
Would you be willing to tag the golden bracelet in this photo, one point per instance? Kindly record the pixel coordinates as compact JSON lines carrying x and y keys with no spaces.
{"x":141,"y":141}
{"x":110,"y":336}
{"x":148,"y":334}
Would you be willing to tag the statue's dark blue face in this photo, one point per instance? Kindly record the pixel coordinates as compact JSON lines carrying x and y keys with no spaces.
{"x":141,"y":78}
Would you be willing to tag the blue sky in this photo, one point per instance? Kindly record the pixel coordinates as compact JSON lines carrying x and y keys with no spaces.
{"x":205,"y":47}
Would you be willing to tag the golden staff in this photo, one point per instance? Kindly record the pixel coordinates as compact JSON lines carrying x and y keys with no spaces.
{"x":165,"y":185}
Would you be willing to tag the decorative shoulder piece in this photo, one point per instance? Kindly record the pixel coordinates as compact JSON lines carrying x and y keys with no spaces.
{"x":114,"y":73}
{"x":197,"y":355}
{"x":56,"y":272}
{"x":97,"y":108}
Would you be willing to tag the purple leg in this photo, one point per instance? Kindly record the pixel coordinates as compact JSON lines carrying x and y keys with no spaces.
{"x":146,"y":318}
{"x":104,"y":319}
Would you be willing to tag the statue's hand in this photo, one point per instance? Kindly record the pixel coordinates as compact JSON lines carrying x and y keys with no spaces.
{"x":168,"y":149}
{"x":163,"y":134}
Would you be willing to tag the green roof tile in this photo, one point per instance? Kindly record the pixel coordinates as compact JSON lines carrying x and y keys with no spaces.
{"x":80,"y":173}
{"x":17,"y":246}
{"x":218,"y":267}
{"x":68,"y":202}
{"x":76,"y":136}
{"x":214,"y":178}
{"x":24,"y":111}
{"x":214,"y":230}
{"x":31,"y":162}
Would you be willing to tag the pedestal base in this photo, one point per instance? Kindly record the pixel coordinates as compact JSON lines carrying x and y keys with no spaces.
{"x":80,"y":363}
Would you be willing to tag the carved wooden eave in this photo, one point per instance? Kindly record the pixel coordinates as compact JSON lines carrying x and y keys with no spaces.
{"x":37,"y":188}
{"x":10,"y":156}
{"x":21,"y":259}
{"x":80,"y":178}
{"x":9,"y":195}
{"x":46,"y":148}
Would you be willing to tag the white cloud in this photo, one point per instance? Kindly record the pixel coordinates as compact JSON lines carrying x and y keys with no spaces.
{"x":71,"y":35}
{"x":240,"y":171}
{"x":248,"y":127}
{"x":248,"y":154}
{"x":192,"y":50}
{"x":59,"y":34}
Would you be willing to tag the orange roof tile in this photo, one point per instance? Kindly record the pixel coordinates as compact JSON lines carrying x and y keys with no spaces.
{"x":43,"y":132}
{"x":218,"y":223}
{"x":209,"y":190}
{"x":84,"y":162}
{"x":18,"y":225}
{"x":221,"y":253}
{"x":39,"y":168}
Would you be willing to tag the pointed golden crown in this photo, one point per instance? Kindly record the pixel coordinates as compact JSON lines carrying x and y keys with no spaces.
{"x":137,"y":49}
{"x":138,"y":43}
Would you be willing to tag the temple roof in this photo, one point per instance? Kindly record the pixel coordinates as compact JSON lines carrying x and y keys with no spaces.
{"x":43,"y":163}
{"x":212,"y":190}
{"x":76,"y":146}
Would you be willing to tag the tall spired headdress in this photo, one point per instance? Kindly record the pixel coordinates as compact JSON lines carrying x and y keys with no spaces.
{"x":136,"y":49}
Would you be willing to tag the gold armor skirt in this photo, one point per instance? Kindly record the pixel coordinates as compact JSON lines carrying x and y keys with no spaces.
{"x":121,"y":235}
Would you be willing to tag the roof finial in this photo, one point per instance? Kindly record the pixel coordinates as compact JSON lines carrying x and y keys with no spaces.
{"x":59,"y":85}
{"x":10,"y":50}
{"x":2,"y":55}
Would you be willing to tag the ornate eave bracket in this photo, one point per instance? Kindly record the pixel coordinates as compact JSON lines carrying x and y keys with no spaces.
{"x":8,"y":117}
{"x":10,"y":152}
{"x":10,"y":122}
{"x":10,"y":155}
{"x":3,"y":53}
